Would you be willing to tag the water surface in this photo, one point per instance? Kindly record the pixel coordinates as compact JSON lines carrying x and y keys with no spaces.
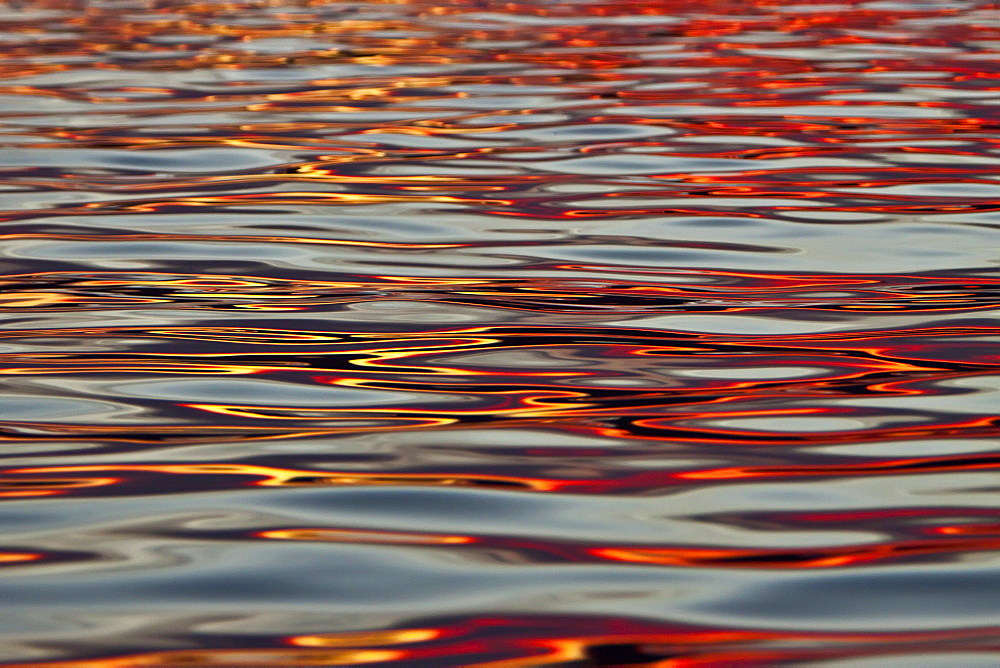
{"x":499,"y":334}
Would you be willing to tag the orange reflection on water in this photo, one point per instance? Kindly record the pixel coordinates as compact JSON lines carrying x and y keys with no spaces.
{"x":827,"y":557}
{"x":349,"y":536}
{"x":229,"y":658}
{"x":594,"y":252}
{"x":675,"y":556}
{"x":18,"y":557}
{"x":388,"y":637}
{"x":274,"y":477}
{"x":548,"y":641}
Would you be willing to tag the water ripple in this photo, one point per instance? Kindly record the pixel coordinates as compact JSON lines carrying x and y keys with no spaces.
{"x":577,"y":334}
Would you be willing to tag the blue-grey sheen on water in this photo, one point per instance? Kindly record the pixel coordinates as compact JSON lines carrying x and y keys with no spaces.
{"x":433,"y":333}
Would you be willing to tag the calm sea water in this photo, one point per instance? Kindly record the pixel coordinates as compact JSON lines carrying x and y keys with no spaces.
{"x":624,"y":333}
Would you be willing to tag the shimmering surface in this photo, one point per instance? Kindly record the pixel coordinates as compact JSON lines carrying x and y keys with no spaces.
{"x":499,"y":334}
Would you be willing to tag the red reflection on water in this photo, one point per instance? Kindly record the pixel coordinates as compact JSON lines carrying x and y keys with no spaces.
{"x":536,"y":640}
{"x":246,"y":203}
{"x":988,"y":539}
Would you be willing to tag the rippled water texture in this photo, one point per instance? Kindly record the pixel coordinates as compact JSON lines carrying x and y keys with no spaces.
{"x":499,"y":334}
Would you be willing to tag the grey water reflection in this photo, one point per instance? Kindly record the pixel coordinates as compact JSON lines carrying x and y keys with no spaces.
{"x":629,"y":333}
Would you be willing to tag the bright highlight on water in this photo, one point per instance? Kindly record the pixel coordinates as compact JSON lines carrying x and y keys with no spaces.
{"x":499,"y":334}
